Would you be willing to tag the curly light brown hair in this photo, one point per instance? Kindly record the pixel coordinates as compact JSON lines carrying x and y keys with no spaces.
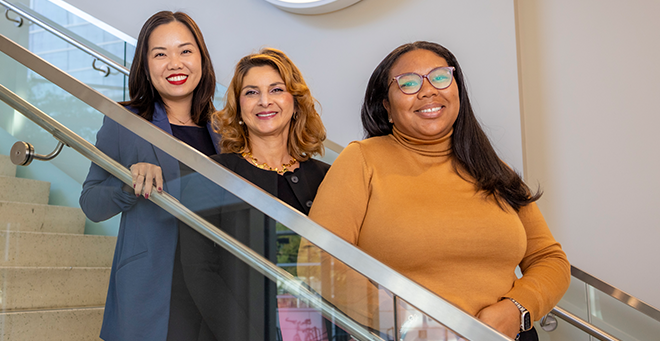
{"x":306,"y":132}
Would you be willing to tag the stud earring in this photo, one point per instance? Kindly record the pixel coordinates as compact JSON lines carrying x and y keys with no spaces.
{"x":240,"y":122}
{"x":390,"y":120}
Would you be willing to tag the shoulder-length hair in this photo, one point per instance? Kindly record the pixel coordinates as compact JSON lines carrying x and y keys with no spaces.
{"x":143,"y":94}
{"x":472,"y":150}
{"x":306,"y":132}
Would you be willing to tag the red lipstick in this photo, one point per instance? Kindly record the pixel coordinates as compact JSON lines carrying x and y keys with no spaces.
{"x":177,"y":79}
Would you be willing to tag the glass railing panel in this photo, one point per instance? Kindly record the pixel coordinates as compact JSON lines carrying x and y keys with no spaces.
{"x":102,"y":40}
{"x":575,"y":301}
{"x":619,"y":319}
{"x":413,"y":325}
{"x":68,"y":171}
{"x":603,"y":311}
{"x":362,"y":300}
{"x":58,"y":15}
{"x":62,"y":106}
{"x":266,"y":307}
{"x":68,"y":57}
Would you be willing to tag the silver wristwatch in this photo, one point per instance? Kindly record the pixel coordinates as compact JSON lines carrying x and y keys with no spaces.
{"x":525,"y":316}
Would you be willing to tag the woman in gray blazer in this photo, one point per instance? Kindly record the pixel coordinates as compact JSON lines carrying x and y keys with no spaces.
{"x":171,"y":84}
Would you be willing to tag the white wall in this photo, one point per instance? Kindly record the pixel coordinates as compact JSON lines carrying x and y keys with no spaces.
{"x":338,"y":51}
{"x":590,"y":84}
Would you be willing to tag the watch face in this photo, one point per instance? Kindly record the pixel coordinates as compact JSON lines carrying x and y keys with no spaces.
{"x":526,"y":321}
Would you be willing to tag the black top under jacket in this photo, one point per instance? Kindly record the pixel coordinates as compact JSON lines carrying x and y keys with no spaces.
{"x":233,"y":301}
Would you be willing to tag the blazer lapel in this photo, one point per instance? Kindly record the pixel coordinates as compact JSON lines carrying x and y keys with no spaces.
{"x":168,"y":164}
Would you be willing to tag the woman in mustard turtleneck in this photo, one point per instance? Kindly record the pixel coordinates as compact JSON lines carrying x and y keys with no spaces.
{"x":427,"y":195}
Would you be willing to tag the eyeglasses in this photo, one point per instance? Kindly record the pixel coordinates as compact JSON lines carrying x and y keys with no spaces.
{"x":411,"y":83}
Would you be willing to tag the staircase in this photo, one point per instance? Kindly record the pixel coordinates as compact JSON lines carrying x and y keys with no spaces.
{"x":53,"y":278}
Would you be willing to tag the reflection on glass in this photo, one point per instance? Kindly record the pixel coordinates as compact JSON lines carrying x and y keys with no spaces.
{"x":272,"y":308}
{"x":413,"y":325}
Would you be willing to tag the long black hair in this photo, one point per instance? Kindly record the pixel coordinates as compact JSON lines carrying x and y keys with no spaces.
{"x":142,"y":92}
{"x":472,"y":150}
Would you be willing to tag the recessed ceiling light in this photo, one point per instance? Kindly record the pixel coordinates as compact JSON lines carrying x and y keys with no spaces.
{"x":311,"y":6}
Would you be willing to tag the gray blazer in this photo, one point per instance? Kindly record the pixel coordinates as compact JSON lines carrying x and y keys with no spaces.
{"x":138,"y":301}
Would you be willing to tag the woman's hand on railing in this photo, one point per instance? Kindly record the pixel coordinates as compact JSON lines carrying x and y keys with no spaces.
{"x":145,"y":176}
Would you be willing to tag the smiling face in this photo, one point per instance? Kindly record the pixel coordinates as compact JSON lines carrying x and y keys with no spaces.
{"x":430,"y":113}
{"x":266,"y":105}
{"x":174,"y":61}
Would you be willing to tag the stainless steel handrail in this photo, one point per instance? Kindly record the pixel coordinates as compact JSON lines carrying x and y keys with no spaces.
{"x":617,"y":293}
{"x":583,"y":325}
{"x":174,"y":207}
{"x":65,"y":36}
{"x":418,"y":296}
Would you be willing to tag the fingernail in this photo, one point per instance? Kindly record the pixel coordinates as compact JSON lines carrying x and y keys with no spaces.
{"x":146,"y":196}
{"x":133,"y":185}
{"x":137,"y":195}
{"x":160,"y":189}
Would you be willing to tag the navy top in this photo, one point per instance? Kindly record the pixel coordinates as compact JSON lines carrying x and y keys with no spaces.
{"x":196,"y":137}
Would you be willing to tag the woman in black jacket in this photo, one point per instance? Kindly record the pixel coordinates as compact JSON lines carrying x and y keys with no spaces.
{"x":270,"y":130}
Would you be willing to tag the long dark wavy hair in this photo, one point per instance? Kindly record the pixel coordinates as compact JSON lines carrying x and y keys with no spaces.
{"x":472,"y":150}
{"x":143,"y":94}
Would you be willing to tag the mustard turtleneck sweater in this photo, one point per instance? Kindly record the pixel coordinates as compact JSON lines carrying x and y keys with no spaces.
{"x":400,"y":200}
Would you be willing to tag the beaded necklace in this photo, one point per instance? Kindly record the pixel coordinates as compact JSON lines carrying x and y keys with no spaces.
{"x":265,"y":166}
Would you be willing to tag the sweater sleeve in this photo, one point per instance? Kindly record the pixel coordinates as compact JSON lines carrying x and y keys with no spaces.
{"x":342,"y":199}
{"x":102,"y":196}
{"x":545,"y":268}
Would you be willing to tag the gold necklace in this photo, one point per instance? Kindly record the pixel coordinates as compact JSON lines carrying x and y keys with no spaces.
{"x":182,"y":122}
{"x":266,"y":166}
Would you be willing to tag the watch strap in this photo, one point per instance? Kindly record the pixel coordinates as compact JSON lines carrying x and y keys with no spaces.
{"x":525,"y":316}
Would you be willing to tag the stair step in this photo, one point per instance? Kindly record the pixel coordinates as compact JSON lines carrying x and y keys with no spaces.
{"x":39,"y":287}
{"x":24,"y":190}
{"x":16,"y":216}
{"x":55,"y":249}
{"x":74,"y":324}
{"x":6,"y":167}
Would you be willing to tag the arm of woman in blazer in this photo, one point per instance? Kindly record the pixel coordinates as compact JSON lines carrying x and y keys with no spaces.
{"x":103,"y":195}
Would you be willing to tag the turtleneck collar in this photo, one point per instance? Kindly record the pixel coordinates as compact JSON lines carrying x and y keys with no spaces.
{"x":437,"y":147}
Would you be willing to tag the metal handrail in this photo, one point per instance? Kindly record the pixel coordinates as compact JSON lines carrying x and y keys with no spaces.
{"x":65,"y":36}
{"x":401,"y":286}
{"x":617,"y":293}
{"x":174,"y":207}
{"x":582,"y":325}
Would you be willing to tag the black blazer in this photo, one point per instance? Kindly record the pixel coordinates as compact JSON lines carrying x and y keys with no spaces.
{"x":233,"y":301}
{"x":304,"y":181}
